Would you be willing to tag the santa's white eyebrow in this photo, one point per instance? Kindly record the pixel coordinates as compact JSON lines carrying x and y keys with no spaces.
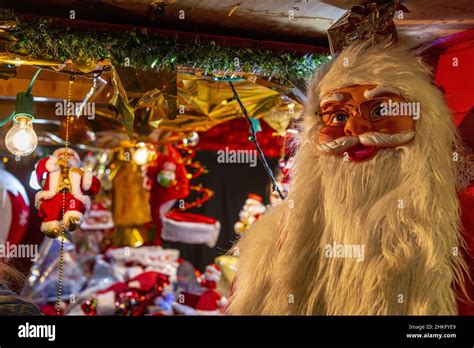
{"x":330,"y":98}
{"x":379,"y":90}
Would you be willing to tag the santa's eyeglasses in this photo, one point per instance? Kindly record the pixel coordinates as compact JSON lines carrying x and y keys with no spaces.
{"x":371,"y":109}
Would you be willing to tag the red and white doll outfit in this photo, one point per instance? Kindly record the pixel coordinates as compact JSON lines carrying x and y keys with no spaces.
{"x":60,"y":175}
{"x":211,"y":302}
{"x":167,"y":180}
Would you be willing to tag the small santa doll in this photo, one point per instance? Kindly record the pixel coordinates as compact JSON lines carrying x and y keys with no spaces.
{"x":211,"y":302}
{"x":65,"y":193}
{"x":252,"y":210}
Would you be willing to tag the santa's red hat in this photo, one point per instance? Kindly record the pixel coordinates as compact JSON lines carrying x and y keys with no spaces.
{"x":190,"y":228}
{"x":254,"y":198}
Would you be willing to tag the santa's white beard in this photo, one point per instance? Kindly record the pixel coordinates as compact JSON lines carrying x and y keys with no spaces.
{"x":400,"y":228}
{"x":355,"y":234}
{"x":401,"y":231}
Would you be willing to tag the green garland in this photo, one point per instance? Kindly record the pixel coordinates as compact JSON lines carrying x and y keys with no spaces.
{"x":42,"y":39}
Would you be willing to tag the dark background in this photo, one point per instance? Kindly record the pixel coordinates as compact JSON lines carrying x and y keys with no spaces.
{"x":231,"y":184}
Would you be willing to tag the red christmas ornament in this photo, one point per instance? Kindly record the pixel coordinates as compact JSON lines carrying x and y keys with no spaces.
{"x":167,"y":180}
{"x":161,"y":282}
{"x":14,"y":209}
{"x":131,"y":302}
{"x":89,"y":307}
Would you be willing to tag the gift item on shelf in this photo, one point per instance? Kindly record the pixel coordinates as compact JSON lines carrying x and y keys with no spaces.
{"x":203,"y":300}
{"x":98,"y":218}
{"x":124,"y":281}
{"x":66,"y":191}
{"x":88,"y":245}
{"x":153,"y":256}
{"x":211,"y":302}
{"x":130,"y":298}
{"x":187,"y":280}
{"x":228,"y":265}
{"x":130,"y":211}
{"x":42,"y":283}
{"x":88,"y":239}
{"x":14,"y":209}
{"x":164,"y":303}
{"x":132,"y":236}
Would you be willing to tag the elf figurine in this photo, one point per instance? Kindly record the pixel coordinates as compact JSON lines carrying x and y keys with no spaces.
{"x":65,"y":193}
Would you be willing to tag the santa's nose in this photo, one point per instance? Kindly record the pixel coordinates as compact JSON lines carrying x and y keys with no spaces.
{"x":357,"y":125}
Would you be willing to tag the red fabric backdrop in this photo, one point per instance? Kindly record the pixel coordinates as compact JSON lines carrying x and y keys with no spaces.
{"x":454,"y":75}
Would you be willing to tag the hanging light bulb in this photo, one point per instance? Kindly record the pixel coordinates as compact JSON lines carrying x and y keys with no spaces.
{"x":141,"y":154}
{"x":21,"y":139}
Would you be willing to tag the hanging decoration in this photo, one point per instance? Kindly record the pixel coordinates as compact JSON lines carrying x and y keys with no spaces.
{"x":210,"y":102}
{"x":14,"y":209}
{"x":167,"y":180}
{"x":45,"y":40}
{"x":190,"y":228}
{"x":21,"y":139}
{"x":61,"y":177}
{"x":130,"y":209}
{"x":372,"y":22}
{"x":143,"y":153}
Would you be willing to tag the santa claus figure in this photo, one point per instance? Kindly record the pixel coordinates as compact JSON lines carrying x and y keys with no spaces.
{"x":166,"y":179}
{"x":252,"y":210}
{"x":211,"y":302}
{"x":372,"y":222}
{"x":66,"y":191}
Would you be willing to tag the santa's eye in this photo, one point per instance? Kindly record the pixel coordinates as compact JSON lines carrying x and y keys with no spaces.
{"x":339,"y":118}
{"x":378,"y":111}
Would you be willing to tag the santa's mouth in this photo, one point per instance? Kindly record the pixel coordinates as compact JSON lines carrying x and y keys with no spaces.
{"x":360,"y":152}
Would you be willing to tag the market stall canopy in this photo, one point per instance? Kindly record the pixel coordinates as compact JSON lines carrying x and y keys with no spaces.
{"x":146,"y":98}
{"x":423,"y":20}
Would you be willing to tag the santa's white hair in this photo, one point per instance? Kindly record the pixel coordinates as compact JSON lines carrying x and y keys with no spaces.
{"x":401,"y":206}
{"x":73,"y":156}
